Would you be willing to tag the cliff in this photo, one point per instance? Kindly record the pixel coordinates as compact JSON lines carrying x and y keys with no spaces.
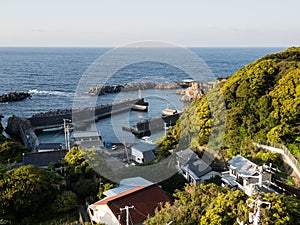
{"x":262,"y":103}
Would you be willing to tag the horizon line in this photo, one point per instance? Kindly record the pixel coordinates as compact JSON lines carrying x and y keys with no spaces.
{"x":32,"y":46}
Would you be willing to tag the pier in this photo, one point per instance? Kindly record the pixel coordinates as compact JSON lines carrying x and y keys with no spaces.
{"x":146,"y":127}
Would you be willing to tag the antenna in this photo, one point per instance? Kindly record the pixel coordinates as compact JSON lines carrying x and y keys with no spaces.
{"x":126,"y":208}
{"x":140,"y":94}
{"x":67,"y":128}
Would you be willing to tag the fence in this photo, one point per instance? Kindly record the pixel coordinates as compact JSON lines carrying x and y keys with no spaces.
{"x":282,"y":149}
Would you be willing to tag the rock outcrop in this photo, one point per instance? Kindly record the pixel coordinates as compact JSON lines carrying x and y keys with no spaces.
{"x":14,"y":96}
{"x":196,"y":90}
{"x":101,"y":90}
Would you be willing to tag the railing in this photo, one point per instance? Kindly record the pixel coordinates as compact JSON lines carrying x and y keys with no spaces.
{"x":284,"y":151}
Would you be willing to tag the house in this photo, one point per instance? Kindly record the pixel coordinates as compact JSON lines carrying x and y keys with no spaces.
{"x":143,"y":152}
{"x":88,"y":139}
{"x":50,"y":147}
{"x":43,"y":158}
{"x":246,"y":176}
{"x":132,"y":206}
{"x":194,"y":169}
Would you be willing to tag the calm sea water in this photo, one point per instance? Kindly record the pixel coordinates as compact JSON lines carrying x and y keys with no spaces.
{"x":52,"y":76}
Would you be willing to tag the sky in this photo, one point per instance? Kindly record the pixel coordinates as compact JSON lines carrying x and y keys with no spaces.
{"x":111,"y":23}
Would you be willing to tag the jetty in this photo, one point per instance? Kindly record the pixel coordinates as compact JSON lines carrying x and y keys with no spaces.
{"x":146,"y":127}
{"x":24,"y":129}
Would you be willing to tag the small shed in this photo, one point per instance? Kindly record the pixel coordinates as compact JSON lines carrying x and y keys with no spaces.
{"x":143,"y":152}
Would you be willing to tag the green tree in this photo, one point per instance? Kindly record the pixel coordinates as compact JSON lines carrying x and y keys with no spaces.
{"x":11,"y":151}
{"x":24,"y":191}
{"x":76,"y":164}
{"x":65,"y":202}
{"x":103,"y":189}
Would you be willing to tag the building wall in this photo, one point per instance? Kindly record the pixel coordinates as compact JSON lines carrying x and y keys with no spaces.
{"x":137,"y":155}
{"x":103,"y":214}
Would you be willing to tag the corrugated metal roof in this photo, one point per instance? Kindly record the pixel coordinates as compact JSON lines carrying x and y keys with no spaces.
{"x":145,"y":200}
{"x":126,"y":185}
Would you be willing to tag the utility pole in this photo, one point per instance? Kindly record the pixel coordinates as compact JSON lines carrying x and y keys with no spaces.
{"x":126,"y":208}
{"x":67,"y":133}
{"x":126,"y":151}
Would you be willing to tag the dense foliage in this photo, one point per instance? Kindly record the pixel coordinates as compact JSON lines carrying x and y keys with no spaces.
{"x":214,"y":205}
{"x":262,"y":103}
{"x":28,"y":193}
{"x":11,"y":151}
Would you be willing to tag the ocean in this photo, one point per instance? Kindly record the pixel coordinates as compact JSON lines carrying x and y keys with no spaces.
{"x":52,"y":76}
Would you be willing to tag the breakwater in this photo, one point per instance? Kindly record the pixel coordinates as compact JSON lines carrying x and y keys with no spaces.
{"x":24,"y":129}
{"x":146,"y":127}
{"x":134,"y":86}
{"x":82,"y":117}
{"x":14,"y":97}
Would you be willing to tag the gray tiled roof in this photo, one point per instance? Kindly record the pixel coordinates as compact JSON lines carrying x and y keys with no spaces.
{"x":41,"y":159}
{"x":243,"y":166}
{"x":191,"y":163}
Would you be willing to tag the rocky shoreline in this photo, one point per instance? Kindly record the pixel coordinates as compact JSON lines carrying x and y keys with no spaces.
{"x":196,"y":90}
{"x":101,"y":90}
{"x":14,"y":97}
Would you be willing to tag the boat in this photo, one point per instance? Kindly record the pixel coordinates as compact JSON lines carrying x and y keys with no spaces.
{"x":147,"y":139}
{"x":143,"y":108}
{"x":188,"y":80}
{"x":53,"y":129}
{"x":169,"y":112}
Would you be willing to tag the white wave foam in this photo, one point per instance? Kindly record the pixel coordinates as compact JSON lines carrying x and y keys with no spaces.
{"x":60,"y":93}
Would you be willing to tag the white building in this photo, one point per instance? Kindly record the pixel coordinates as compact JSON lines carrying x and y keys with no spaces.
{"x":88,"y":139}
{"x":246,"y":176}
{"x":143,"y":152}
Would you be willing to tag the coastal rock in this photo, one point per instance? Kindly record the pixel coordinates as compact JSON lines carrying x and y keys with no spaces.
{"x":14,"y":96}
{"x":192,"y":93}
{"x":196,"y":90}
{"x":133,"y":86}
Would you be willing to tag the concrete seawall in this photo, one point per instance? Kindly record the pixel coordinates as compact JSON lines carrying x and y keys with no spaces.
{"x":23,"y":129}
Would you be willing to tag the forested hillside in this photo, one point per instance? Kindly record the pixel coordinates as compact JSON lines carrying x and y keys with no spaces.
{"x":262,"y":103}
{"x":214,"y":205}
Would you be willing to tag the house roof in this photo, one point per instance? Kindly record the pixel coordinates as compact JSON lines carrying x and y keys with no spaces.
{"x":243,"y":166}
{"x":85,"y":134}
{"x":43,"y":158}
{"x":191,"y":163}
{"x":184,"y":156}
{"x":126,"y":185}
{"x":145,"y":200}
{"x":48,"y":146}
{"x":144,"y":147}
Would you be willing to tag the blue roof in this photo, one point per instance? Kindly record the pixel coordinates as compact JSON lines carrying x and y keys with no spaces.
{"x":126,"y":185}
